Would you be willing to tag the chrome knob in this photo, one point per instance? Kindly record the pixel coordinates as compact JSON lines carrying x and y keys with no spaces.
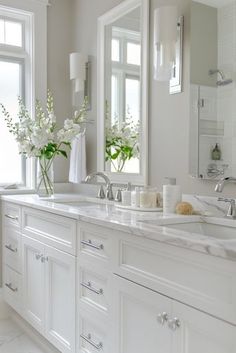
{"x":162,"y":318}
{"x":174,"y":324}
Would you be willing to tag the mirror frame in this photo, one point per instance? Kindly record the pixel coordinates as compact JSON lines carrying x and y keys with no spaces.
{"x":106,"y":19}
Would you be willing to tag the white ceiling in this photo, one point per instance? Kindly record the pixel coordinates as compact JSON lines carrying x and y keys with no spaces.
{"x":215,"y":3}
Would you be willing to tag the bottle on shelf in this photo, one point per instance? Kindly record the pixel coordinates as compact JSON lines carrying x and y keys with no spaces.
{"x":216,"y":153}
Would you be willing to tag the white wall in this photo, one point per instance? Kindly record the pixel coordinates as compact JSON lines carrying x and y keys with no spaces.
{"x":169,"y":114}
{"x":60,"y":38}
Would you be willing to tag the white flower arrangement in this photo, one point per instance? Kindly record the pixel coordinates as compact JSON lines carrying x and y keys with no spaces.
{"x":40,"y":137}
{"x":122,"y":141}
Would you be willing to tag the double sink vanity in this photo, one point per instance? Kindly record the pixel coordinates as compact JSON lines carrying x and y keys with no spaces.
{"x":92,"y":278}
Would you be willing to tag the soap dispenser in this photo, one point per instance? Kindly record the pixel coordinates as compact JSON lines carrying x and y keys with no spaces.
{"x":171,"y":195}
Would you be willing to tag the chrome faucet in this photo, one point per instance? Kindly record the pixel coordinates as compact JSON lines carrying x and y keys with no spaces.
{"x":221,"y":183}
{"x":231,"y":213}
{"x":109,"y":191}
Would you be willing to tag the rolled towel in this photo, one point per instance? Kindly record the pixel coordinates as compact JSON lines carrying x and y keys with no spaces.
{"x":78,"y":170}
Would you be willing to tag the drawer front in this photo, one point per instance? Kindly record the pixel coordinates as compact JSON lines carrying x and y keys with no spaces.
{"x":12,"y":247}
{"x":12,"y":288}
{"x":54,"y":230}
{"x":93,"y":288}
{"x":92,"y":336}
{"x":196,"y":279}
{"x":93,"y":241}
{"x":11,"y":214}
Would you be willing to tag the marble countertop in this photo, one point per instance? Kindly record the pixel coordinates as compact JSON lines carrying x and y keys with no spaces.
{"x":149,"y":225}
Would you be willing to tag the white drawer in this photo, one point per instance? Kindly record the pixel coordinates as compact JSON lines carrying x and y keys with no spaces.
{"x":12,"y":247}
{"x":92,"y":336}
{"x":199,"y":280}
{"x":94,"y":241}
{"x":11,"y":214}
{"x":93,"y":288}
{"x":12,"y":288}
{"x":54,"y":230}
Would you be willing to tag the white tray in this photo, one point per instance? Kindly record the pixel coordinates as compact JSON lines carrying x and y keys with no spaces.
{"x":140,"y":209}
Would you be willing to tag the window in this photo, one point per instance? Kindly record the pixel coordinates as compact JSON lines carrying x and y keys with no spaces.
{"x":22,"y":73}
{"x":125,"y":79}
{"x":11,"y":32}
{"x":125,"y":84}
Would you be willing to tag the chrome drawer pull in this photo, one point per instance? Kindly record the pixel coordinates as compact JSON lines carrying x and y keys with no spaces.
{"x":174,"y":324}
{"x":38,"y":256}
{"x":88,"y":339}
{"x":162,"y":318}
{"x":9,"y":247}
{"x":89,"y":243}
{"x":15,"y":218}
{"x":89,"y":286}
{"x":9,"y":285}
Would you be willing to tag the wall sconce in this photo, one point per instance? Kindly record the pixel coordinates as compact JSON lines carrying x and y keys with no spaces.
{"x":168,"y":47}
{"x":80,"y":74}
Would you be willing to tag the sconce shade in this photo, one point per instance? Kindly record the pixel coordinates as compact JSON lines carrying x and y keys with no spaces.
{"x":78,"y":70}
{"x":165,"y":37}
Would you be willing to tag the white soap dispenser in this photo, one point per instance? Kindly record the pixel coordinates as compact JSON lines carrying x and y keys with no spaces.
{"x":171,"y":195}
{"x":126,"y":195}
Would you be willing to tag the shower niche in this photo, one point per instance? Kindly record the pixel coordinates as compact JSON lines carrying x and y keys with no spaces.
{"x":213,"y":90}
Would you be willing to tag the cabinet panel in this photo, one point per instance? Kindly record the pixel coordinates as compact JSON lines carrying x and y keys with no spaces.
{"x":93,"y":288}
{"x":200,"y":332}
{"x":12,"y":247}
{"x":33,"y":282}
{"x":51,"y":229}
{"x":60,"y":299}
{"x":11,"y":214}
{"x":136,"y":315}
{"x":12,"y":288}
{"x":94,"y":242}
{"x":196,"y":279}
{"x":92,"y":335}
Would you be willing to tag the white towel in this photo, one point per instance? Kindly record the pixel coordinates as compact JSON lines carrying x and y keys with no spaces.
{"x":78,"y":170}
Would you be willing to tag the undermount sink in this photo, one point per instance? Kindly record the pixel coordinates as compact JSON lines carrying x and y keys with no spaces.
{"x":207,"y":229}
{"x":82,"y":202}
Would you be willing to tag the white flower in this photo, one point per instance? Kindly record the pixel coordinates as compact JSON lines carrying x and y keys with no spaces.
{"x":68,"y":124}
{"x":52,"y":117}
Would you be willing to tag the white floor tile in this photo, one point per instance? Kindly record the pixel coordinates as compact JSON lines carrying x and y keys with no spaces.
{"x":14,"y":340}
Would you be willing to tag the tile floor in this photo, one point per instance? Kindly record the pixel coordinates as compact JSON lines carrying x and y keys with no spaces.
{"x":14,"y":340}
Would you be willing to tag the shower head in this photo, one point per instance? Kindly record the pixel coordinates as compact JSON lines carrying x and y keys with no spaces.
{"x":223,"y":80}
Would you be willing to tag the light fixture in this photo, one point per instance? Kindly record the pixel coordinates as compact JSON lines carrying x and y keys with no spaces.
{"x":78,"y":70}
{"x":168,"y":37}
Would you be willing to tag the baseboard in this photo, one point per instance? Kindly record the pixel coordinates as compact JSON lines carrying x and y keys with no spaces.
{"x":46,"y":346}
{"x":5,"y":310}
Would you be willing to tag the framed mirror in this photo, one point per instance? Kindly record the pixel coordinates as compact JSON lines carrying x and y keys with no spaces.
{"x":122,"y":141}
{"x":212,"y":89}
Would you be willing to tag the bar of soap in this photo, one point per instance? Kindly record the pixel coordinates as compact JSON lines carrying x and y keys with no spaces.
{"x":184,"y":208}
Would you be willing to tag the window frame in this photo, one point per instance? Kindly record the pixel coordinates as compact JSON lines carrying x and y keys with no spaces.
{"x":20,"y":61}
{"x":33,"y":14}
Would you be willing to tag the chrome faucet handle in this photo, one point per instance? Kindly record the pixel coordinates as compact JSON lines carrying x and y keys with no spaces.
{"x":109,"y":192}
{"x":118,"y":197}
{"x":101,"y":193}
{"x":231,"y":213}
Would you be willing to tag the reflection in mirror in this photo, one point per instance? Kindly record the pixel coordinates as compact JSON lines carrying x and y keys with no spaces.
{"x":122,"y":84}
{"x":213,"y":103}
{"x":122,"y":96}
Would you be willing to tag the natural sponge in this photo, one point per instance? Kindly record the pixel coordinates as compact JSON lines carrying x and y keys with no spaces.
{"x":184,"y":208}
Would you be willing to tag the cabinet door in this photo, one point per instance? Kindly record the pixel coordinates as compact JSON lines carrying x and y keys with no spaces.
{"x":199,"y":332}
{"x":33,"y":282}
{"x":60,"y":299}
{"x":136,"y":319}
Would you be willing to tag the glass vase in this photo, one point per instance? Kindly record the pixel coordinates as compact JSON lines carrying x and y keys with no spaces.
{"x":45,"y":180}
